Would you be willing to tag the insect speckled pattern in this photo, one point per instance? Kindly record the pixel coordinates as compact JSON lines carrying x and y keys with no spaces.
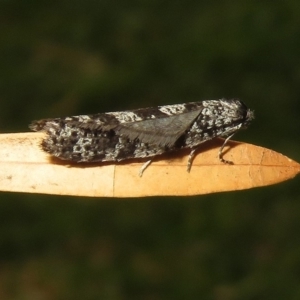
{"x":143,"y":133}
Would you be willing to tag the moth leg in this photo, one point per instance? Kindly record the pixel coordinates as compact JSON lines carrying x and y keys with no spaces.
{"x":144,"y":167}
{"x":221,"y":149}
{"x":190,"y":160}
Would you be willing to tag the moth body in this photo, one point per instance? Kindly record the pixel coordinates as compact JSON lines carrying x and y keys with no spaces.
{"x":142,"y":133}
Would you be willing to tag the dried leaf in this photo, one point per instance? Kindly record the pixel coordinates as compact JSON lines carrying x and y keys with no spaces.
{"x":24,"y":167}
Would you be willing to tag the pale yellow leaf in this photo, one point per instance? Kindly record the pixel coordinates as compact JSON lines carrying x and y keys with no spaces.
{"x":24,"y":167}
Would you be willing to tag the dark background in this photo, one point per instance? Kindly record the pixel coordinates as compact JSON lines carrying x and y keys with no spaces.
{"x":62,"y":58}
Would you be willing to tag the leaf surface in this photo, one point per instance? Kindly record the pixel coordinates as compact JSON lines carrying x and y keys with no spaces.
{"x":25,"y":167}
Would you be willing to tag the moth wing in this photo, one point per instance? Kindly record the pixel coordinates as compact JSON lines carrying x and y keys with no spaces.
{"x":163,"y":131}
{"x":102,"y":122}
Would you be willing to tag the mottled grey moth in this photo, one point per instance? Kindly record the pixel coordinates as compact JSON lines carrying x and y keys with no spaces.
{"x":143,"y":133}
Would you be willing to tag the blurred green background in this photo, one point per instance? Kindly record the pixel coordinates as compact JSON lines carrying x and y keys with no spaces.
{"x":62,"y":58}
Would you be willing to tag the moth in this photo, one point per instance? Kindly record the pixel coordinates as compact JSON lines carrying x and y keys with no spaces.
{"x":144,"y":132}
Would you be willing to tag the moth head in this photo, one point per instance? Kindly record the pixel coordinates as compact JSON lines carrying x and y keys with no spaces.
{"x":248,"y":116}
